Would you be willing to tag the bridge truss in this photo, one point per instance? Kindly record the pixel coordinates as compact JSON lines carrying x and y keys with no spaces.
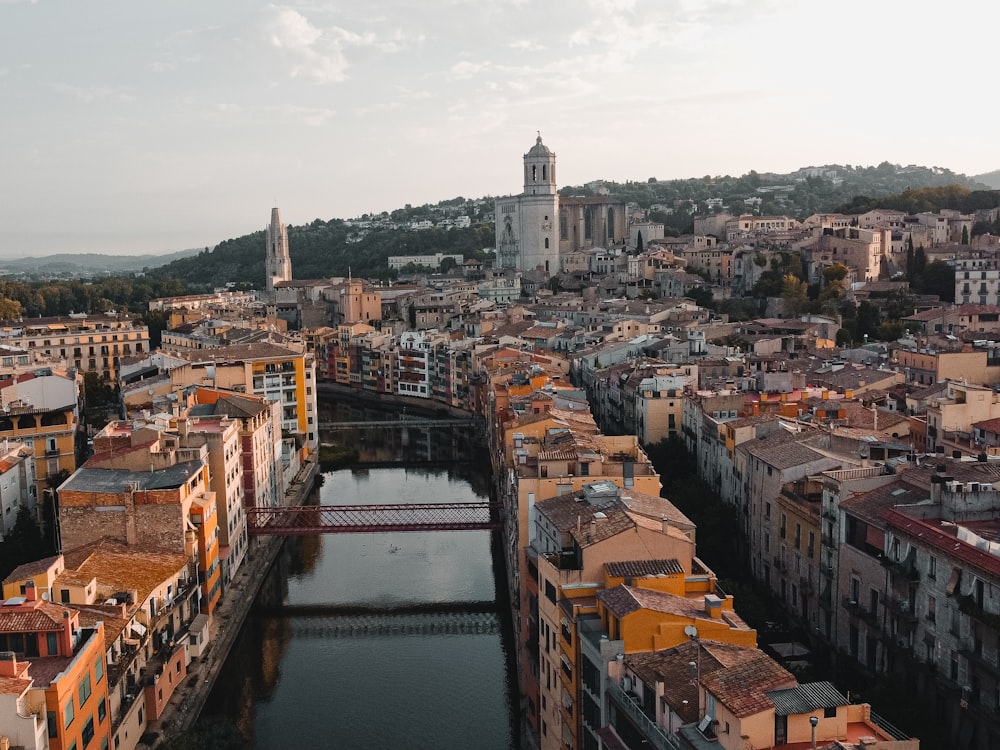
{"x":359,"y":519}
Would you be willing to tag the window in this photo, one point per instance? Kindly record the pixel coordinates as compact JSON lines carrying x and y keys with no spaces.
{"x":68,"y":713}
{"x":932,"y":567}
{"x":931,"y":608}
{"x":84,"y":690}
{"x":550,"y":592}
{"x":102,"y":710}
{"x":98,"y":669}
{"x":88,"y":731}
{"x":53,"y":724}
{"x":784,"y":523}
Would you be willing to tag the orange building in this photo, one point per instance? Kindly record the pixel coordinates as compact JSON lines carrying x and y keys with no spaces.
{"x":43,"y":646}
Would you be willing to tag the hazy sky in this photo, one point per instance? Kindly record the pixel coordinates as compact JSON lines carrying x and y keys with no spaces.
{"x":141,"y":126}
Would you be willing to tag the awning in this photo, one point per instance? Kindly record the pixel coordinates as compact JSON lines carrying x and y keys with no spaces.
{"x":954,"y":581}
{"x":875,"y":537}
{"x":138,"y":628}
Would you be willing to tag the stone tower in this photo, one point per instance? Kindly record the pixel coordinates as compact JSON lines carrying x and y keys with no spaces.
{"x":278,"y":266}
{"x":526,"y":224}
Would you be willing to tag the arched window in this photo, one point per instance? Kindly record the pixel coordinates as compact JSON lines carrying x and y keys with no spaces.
{"x":545,"y":173}
{"x":27,"y":422}
{"x":534,"y":172}
{"x":546,"y":243}
{"x":588,"y":223}
{"x":611,"y":223}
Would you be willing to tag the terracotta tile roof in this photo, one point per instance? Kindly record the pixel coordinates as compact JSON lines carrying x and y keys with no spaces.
{"x":869,"y":506}
{"x":624,"y":600}
{"x":742,"y":688}
{"x":658,"y":508}
{"x":43,"y":616}
{"x":782,"y":451}
{"x":670,"y":667}
{"x":112,"y":617}
{"x":635,"y":568}
{"x":29,"y":569}
{"x":988,"y":425}
{"x":573,"y":516}
{"x":13,"y":685}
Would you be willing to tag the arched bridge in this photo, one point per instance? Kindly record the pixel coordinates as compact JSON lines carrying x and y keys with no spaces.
{"x":358,"y":519}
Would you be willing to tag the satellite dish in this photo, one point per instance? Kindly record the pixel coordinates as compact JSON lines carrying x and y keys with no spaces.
{"x":691,"y":631}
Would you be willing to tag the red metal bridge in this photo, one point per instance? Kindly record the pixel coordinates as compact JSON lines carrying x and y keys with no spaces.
{"x":359,"y":519}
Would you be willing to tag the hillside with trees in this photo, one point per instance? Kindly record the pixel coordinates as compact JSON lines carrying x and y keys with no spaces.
{"x":321,"y":250}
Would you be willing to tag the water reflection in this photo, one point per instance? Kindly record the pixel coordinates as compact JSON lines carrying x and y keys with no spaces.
{"x":438,"y":678}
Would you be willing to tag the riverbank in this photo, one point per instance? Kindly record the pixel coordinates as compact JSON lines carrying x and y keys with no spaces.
{"x":185,"y":705}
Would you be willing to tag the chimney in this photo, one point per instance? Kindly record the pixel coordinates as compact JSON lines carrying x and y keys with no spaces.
{"x":8,"y":664}
{"x":29,"y":591}
{"x":713,"y":606}
{"x":182,"y":427}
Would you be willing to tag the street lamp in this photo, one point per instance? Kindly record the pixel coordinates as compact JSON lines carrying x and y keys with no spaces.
{"x":813,"y":721}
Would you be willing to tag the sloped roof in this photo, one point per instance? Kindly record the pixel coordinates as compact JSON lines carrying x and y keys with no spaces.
{"x":805,"y":698}
{"x":636,"y":568}
{"x":743,"y":688}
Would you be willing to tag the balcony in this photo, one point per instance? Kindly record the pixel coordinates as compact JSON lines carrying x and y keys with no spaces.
{"x":973,"y":652}
{"x":860,"y":611}
{"x":902,"y":610}
{"x":969,"y":606}
{"x":649,"y":728}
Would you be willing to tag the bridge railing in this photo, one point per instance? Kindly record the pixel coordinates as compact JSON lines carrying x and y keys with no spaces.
{"x":346,"y":519}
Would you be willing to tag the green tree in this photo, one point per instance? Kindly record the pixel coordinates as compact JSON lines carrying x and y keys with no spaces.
{"x":867,"y":320}
{"x":939,"y":278}
{"x":794,"y":295}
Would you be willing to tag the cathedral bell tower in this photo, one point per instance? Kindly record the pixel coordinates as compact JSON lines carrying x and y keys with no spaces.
{"x":539,"y":170}
{"x":278,"y":264}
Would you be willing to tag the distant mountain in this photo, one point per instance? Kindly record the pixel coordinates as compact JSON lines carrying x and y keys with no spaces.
{"x":989,"y":178}
{"x":70,"y":265}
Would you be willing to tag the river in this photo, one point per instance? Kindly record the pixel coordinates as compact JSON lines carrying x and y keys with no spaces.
{"x":381,"y":640}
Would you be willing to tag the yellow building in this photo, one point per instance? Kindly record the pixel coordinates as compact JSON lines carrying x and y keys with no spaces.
{"x":601,"y":536}
{"x":50,"y":430}
{"x":278,"y":373}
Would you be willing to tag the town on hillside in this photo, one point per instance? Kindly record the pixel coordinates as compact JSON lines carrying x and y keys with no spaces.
{"x":832,"y":382}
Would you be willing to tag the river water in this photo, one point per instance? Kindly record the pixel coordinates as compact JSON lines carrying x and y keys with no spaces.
{"x":381,"y":640}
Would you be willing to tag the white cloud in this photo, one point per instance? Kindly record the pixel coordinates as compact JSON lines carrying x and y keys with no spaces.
{"x":464,"y":70}
{"x":319,"y":54}
{"x":94,"y":93}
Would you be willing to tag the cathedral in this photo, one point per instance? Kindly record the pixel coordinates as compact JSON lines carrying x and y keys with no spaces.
{"x":534,"y":228}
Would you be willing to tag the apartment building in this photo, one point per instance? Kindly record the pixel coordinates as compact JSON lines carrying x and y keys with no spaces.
{"x":147,"y":603}
{"x":54,"y":674}
{"x":264,"y":478}
{"x":147,"y":496}
{"x":915,"y":581}
{"x":602,"y":534}
{"x":17,"y":484}
{"x":221,"y":435}
{"x":280,"y":374}
{"x":41,"y":411}
{"x":977,"y":278}
{"x":93,"y":343}
{"x":952,"y":414}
